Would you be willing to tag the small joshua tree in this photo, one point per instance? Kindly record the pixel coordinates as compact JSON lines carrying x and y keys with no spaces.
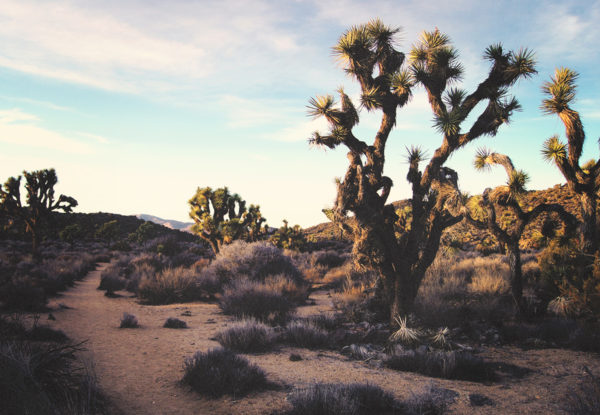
{"x":582,"y":180}
{"x":484,"y":214}
{"x":369,"y":55}
{"x":39,"y":186}
{"x":221,"y":217}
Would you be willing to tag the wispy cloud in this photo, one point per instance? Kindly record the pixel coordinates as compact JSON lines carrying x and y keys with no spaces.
{"x":19,"y":128}
{"x":130,"y":47}
{"x":45,"y":104}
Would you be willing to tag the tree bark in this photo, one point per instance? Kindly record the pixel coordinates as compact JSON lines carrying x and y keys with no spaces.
{"x":589,"y":241}
{"x":516,"y":274}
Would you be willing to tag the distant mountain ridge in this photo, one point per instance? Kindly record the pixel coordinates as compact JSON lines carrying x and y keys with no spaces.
{"x":172,"y":224}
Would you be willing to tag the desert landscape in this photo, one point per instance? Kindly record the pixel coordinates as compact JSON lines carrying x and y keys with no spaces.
{"x":436,"y":300}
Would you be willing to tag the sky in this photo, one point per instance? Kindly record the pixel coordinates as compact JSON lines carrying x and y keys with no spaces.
{"x":136,"y":103}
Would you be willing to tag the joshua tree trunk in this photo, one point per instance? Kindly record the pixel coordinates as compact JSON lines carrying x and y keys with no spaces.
{"x":589,"y":241}
{"x":516,"y":275}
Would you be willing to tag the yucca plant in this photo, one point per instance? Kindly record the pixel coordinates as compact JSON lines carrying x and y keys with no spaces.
{"x":404,"y":334}
{"x":583,"y":180}
{"x":484,"y":216}
{"x":368,"y":54}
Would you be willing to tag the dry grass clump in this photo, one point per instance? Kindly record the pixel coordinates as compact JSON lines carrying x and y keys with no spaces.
{"x":304,"y":334}
{"x":172,"y":285}
{"x":45,"y":378}
{"x":246,"y":298}
{"x":175,"y":323}
{"x":247,"y":336}
{"x":340,"y":398}
{"x":458,"y":289}
{"x":129,"y":321}
{"x":221,"y":372}
{"x":441,"y":364}
{"x":489,"y":283}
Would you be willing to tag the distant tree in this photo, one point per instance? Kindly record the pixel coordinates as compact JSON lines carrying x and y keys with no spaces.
{"x":582,"y":180}
{"x":221,"y":217}
{"x":71,"y":233}
{"x":108,"y":231}
{"x":508,"y":229}
{"x":144,"y":232}
{"x":39,"y":187}
{"x":368,"y":54}
{"x":289,"y":237}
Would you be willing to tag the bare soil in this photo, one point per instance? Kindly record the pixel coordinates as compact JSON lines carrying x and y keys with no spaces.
{"x":139,"y":369}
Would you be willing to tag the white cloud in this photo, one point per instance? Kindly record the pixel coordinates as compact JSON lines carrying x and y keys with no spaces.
{"x":15,"y":115}
{"x":137,"y":46}
{"x":19,"y":128}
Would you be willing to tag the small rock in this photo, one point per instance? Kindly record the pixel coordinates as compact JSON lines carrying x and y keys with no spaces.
{"x":294,"y":357}
{"x":51,"y":316}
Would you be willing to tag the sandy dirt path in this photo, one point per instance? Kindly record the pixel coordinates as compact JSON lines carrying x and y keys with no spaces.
{"x":139,"y":369}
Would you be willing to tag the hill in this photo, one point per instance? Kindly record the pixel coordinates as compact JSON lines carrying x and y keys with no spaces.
{"x":168,"y":223}
{"x":470,"y":237}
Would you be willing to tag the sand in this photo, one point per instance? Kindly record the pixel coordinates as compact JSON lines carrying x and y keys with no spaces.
{"x":139,"y":369}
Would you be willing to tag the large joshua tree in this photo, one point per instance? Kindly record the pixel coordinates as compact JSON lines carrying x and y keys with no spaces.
{"x":39,"y":187}
{"x":221,"y":217}
{"x":483,"y":214}
{"x":369,"y":55}
{"x":582,"y":180}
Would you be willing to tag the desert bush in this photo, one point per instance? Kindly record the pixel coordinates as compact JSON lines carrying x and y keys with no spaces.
{"x":246,"y":298}
{"x":247,"y":336}
{"x":489,"y":283}
{"x":175,"y":323}
{"x":297,"y":293}
{"x":23,"y":293}
{"x":303,"y":334}
{"x":220,"y":371}
{"x":255,"y":260}
{"x":43,"y":333}
{"x":441,"y":364}
{"x":42,"y":378}
{"x":585,"y":399}
{"x":129,"y":321}
{"x":172,"y":285}
{"x":329,"y":258}
{"x":326,"y":321}
{"x":339,"y":398}
{"x":459,"y":289}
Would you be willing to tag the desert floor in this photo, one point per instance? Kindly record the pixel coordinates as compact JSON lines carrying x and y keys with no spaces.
{"x":139,"y":369}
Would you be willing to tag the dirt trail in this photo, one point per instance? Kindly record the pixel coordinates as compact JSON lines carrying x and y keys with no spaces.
{"x":139,"y":369}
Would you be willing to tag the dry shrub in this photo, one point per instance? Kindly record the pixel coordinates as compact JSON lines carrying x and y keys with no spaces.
{"x":298,"y":293}
{"x":43,"y":378}
{"x":303,"y":334}
{"x":339,"y":398}
{"x":256,"y":261}
{"x":246,"y":298}
{"x":247,"y":336}
{"x":172,"y":285}
{"x":129,"y":321}
{"x":488,"y":283}
{"x":220,"y":371}
{"x":441,"y":364}
{"x":175,"y":323}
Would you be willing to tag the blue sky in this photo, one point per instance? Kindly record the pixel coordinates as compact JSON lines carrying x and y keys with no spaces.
{"x":137,"y":103}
